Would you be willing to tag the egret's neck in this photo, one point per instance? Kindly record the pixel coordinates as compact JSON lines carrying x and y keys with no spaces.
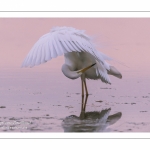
{"x":68,"y":73}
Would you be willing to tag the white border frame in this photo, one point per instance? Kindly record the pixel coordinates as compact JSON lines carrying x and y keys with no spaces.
{"x":81,"y":14}
{"x":75,"y":15}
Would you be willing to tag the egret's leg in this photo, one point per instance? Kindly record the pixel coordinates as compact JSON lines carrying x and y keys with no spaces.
{"x":85,"y":103}
{"x":82,"y":87}
{"x":85,"y":87}
{"x":82,"y":104}
{"x":83,"y":107}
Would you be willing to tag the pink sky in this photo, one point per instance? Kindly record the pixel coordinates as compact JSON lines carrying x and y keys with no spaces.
{"x":127,"y":40}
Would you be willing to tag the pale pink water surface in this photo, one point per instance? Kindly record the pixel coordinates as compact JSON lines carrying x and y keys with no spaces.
{"x":39,"y":98}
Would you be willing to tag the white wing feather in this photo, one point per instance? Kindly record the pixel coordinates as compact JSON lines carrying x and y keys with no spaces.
{"x":61,"y":40}
{"x":58,"y":41}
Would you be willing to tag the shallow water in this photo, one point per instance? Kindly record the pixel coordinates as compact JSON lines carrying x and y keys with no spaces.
{"x":36,"y":100}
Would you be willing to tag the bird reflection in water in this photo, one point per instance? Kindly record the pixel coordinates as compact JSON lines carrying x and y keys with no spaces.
{"x":96,"y":121}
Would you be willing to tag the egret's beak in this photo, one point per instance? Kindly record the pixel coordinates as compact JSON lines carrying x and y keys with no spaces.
{"x":84,"y":69}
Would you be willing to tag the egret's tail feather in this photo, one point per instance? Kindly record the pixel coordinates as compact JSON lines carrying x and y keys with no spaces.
{"x":113,"y":71}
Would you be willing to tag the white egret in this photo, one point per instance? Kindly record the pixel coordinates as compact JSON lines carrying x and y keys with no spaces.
{"x":81,"y":57}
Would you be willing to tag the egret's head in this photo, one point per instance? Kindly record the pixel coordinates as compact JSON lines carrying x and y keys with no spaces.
{"x":74,"y":74}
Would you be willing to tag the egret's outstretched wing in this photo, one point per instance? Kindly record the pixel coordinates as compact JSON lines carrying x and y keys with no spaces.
{"x":62,"y":40}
